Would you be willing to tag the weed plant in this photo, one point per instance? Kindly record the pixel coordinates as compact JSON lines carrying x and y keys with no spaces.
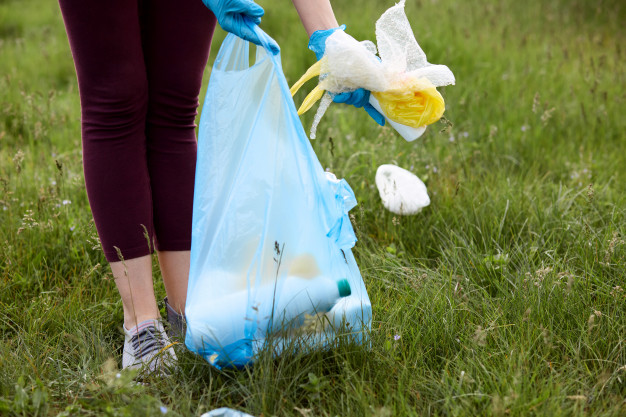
{"x":505,"y":297}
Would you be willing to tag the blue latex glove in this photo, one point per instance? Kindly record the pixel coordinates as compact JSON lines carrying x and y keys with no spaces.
{"x":232,"y":15}
{"x":317,"y":41}
{"x":361,"y":98}
{"x":357,"y":98}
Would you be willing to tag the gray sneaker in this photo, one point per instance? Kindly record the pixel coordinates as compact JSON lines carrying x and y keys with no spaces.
{"x":147,"y":347}
{"x":177,"y":323}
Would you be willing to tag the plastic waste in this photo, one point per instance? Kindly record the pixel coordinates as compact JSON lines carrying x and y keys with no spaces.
{"x":407,"y":132}
{"x":401,"y":80}
{"x":282,"y":312}
{"x":401,"y":191}
{"x":317,"y":41}
{"x":225,"y":412}
{"x":358,"y":98}
{"x":271,"y":259}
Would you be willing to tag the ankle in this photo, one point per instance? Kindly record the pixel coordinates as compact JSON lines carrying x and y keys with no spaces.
{"x":131,"y":321}
{"x":176,"y":305}
{"x":176,"y":320}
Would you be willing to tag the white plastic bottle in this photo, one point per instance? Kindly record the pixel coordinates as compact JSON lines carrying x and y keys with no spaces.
{"x":307,"y":296}
{"x":223,"y":321}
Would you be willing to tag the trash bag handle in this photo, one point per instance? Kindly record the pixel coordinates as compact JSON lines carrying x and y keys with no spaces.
{"x":267,"y":42}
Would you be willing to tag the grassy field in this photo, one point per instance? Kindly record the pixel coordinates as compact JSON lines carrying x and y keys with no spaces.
{"x":505,"y":297}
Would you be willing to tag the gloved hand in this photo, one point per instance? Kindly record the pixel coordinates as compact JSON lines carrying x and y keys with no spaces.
{"x":357,"y":98}
{"x":231,"y":15}
{"x":317,"y":41}
{"x":361,"y":98}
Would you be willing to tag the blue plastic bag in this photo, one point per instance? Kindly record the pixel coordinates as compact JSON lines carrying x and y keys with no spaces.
{"x":271,"y":236}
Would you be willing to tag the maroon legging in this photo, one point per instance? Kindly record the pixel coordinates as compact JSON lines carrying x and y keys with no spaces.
{"x":139,"y":65}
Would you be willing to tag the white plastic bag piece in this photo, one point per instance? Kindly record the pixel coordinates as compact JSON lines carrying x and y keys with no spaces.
{"x":225,"y":412}
{"x":401,"y":191}
{"x":325,"y":103}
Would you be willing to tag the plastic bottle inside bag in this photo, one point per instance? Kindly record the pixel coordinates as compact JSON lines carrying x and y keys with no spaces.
{"x":306,"y":296}
{"x":298,"y":297}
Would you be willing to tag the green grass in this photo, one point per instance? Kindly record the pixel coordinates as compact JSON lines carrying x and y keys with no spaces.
{"x":508,"y":292}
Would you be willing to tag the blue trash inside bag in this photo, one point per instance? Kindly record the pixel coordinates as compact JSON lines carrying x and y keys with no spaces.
{"x":271,"y":259}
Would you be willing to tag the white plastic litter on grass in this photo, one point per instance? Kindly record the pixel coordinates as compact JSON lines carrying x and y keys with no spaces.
{"x":225,"y":412}
{"x":401,"y":191}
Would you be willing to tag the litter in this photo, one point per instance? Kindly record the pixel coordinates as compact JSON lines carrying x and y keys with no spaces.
{"x":225,"y":412}
{"x":402,"y":82}
{"x":401,"y":191}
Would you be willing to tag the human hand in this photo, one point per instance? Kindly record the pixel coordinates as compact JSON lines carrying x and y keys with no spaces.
{"x":232,"y":15}
{"x":358,"y":98}
{"x":317,"y":41}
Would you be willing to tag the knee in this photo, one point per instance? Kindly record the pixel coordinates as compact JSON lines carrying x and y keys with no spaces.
{"x":173,"y":108}
{"x":114,"y":107}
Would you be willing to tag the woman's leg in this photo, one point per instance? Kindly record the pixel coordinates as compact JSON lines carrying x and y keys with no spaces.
{"x":177,"y":38}
{"x":105,"y":39}
{"x":175,"y":270}
{"x":134,"y":282}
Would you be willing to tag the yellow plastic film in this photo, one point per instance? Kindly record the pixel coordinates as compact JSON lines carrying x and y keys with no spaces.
{"x":416,"y":104}
{"x":412,"y":103}
{"x":310,"y":100}
{"x":313,"y":71}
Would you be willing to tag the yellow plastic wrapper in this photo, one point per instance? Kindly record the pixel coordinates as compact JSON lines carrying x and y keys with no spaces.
{"x":314,"y":95}
{"x":416,"y":103}
{"x":403,"y":84}
{"x":420,"y":104}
